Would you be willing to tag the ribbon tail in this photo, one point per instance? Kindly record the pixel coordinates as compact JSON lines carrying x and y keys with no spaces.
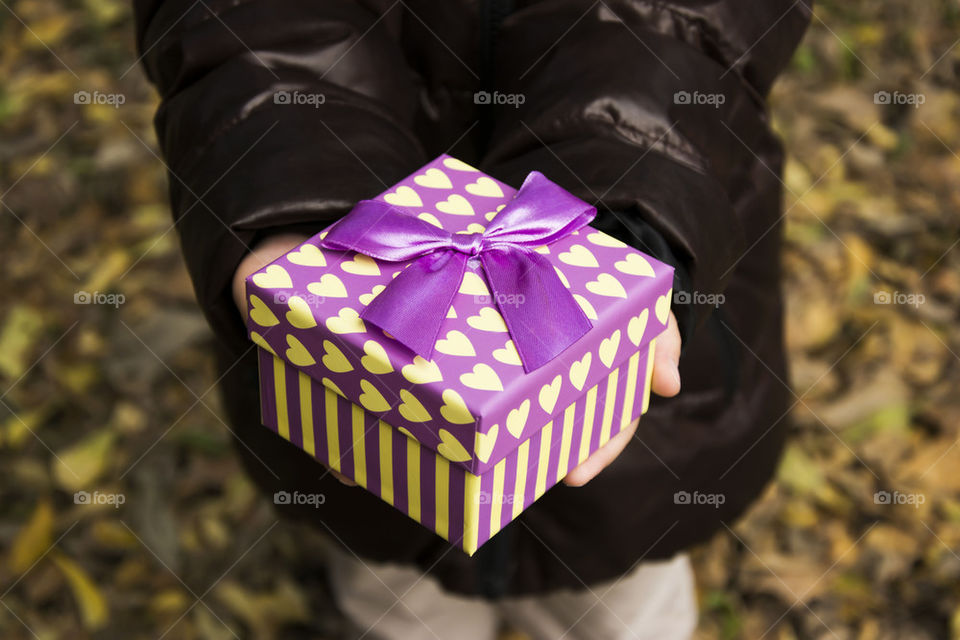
{"x":414,"y":305}
{"x":542,"y":316}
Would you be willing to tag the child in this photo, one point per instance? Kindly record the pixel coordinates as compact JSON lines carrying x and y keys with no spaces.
{"x":278,"y":117}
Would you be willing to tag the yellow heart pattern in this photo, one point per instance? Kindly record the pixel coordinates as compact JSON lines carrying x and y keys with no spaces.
{"x":484,"y":443}
{"x":482,"y":378}
{"x":429,"y":217}
{"x":434,"y":179}
{"x":422,"y":371}
{"x":367,"y":298}
{"x":309,"y":255}
{"x":450,"y":448}
{"x":637,"y":326}
{"x":412,"y":409}
{"x":473,"y":285}
{"x":607,"y":285}
{"x":457,"y":165}
{"x":300,"y":315}
{"x":329,"y":384}
{"x":333,"y":359}
{"x":517,"y":419}
{"x":346,"y":321}
{"x":579,"y":371}
{"x":330,"y":286}
{"x":549,"y":393}
{"x":375,"y":359}
{"x":258,"y":340}
{"x":456,"y":205}
{"x":261,"y":314}
{"x":455,"y":344}
{"x":493,"y":214}
{"x":371,"y":399}
{"x":361,"y":265}
{"x":586,"y":306}
{"x":274,"y":277}
{"x":634,"y":265}
{"x":608,"y":348}
{"x":603,"y":240}
{"x":663,"y":307}
{"x":488,"y":320}
{"x":454,"y":409}
{"x":563,"y":278}
{"x":579,"y":256}
{"x":297,"y":354}
{"x":404,"y":197}
{"x":508,"y":354}
{"x":486,"y":187}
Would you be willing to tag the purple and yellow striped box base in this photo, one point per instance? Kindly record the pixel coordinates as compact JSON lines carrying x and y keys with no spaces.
{"x":461,"y":507}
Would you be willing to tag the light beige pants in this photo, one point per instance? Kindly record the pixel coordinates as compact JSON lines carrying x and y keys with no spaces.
{"x":655,"y":601}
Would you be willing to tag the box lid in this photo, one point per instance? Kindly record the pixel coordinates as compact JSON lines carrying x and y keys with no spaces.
{"x":472,"y":402}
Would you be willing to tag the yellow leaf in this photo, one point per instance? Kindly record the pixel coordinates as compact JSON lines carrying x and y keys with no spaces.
{"x":90,"y":600}
{"x":33,"y":540}
{"x":108,"y":270}
{"x":169,"y":602}
{"x":48,"y":31}
{"x":20,"y":330}
{"x":16,"y":429}
{"x":81,"y":464}
{"x":113,"y":535}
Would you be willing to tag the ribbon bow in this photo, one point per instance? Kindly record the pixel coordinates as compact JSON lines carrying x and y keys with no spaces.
{"x":540,"y":313}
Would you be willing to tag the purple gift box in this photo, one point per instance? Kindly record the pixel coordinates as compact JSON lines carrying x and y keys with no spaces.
{"x":465,"y":434}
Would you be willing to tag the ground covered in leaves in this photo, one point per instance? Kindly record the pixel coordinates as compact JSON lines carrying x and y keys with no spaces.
{"x":858,"y":537}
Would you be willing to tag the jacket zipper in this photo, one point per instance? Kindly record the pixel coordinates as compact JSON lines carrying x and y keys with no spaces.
{"x":492,"y":13}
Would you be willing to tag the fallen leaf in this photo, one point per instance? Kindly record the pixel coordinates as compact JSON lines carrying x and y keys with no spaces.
{"x":34,"y":539}
{"x":91,"y":602}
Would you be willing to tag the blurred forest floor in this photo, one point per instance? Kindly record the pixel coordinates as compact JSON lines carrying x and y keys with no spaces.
{"x":119,"y":399}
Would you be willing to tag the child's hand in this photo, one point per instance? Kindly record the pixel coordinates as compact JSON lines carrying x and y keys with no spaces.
{"x":263,"y":254}
{"x":665,"y":382}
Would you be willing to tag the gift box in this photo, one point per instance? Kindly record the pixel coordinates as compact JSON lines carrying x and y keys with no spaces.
{"x":482,"y":342}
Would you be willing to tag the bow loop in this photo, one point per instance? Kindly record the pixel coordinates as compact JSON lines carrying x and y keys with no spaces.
{"x":540,"y":313}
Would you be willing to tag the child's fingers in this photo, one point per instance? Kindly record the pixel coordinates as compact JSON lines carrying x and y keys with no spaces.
{"x":268,"y":250}
{"x":666,"y":360}
{"x":342,"y":478}
{"x":599,"y":459}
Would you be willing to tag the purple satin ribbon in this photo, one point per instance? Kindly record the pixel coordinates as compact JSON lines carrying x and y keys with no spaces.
{"x":540,"y":313}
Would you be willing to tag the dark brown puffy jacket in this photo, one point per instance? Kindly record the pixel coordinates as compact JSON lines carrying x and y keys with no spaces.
{"x":619,"y":106}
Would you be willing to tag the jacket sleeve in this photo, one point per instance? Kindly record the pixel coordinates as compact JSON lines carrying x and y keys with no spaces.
{"x":655,"y":112}
{"x":270,"y":118}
